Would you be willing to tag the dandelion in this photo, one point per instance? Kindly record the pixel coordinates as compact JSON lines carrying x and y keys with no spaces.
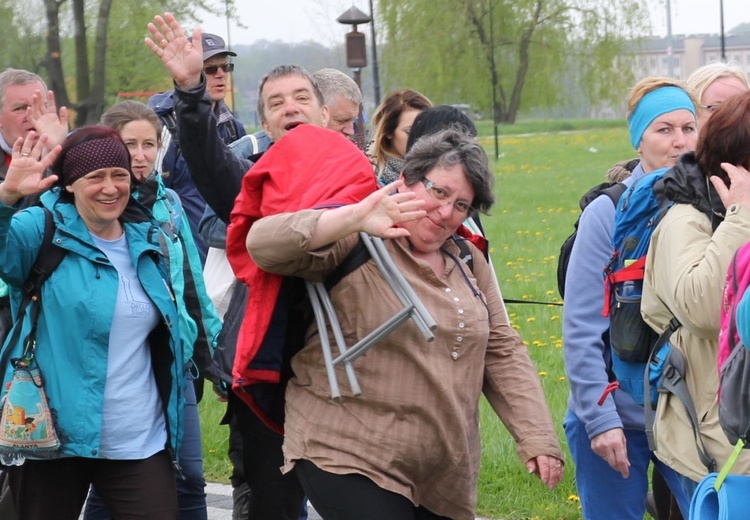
{"x":555,"y":317}
{"x":574,"y":498}
{"x":561,"y":379}
{"x":542,"y":374}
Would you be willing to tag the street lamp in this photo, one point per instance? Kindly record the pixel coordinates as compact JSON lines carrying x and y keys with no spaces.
{"x":356,"y":52}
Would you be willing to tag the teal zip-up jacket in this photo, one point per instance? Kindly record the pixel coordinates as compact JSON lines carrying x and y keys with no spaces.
{"x":78,"y":302}
{"x":200,"y":325}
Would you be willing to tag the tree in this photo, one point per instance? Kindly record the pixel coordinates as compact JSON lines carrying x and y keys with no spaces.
{"x":444,"y":48}
{"x":100,"y":47}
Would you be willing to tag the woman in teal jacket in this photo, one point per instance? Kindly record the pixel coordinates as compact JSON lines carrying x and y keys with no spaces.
{"x":140,"y":129}
{"x":108,"y":338}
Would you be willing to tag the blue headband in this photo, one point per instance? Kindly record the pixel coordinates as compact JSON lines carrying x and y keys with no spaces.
{"x":652,"y":105}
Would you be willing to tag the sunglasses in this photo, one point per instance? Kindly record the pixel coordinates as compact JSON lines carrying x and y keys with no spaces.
{"x":213,"y":69}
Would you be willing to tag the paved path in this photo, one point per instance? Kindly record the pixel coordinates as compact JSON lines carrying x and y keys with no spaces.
{"x":219,"y":500}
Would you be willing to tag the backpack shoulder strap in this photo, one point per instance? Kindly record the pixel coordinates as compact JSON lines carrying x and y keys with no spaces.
{"x":356,"y":257}
{"x":615,"y":192}
{"x":48,"y":258}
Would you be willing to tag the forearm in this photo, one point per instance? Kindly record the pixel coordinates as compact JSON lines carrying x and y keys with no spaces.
{"x":216,"y":171}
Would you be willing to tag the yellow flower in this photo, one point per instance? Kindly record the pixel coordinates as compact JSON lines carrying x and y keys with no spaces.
{"x":543,"y":374}
{"x":531,"y":319}
{"x":574,"y":498}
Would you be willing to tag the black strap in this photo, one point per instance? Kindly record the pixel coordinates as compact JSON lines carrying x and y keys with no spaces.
{"x":48,"y":258}
{"x":673,"y":381}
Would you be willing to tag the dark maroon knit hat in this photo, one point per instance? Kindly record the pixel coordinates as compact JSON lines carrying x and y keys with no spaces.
{"x":93,"y":155}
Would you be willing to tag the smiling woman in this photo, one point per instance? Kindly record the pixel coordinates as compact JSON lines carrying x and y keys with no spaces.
{"x":114,"y":379}
{"x":420,"y":399}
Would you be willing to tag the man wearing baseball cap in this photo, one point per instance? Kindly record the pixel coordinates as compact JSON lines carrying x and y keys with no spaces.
{"x":216,"y":66}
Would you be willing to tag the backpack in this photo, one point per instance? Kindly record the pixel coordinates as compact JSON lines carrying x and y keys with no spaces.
{"x":614,"y":191}
{"x":734,"y":359}
{"x":643,"y":362}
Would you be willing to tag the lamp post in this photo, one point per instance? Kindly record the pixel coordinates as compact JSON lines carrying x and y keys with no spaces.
{"x":356,"y":52}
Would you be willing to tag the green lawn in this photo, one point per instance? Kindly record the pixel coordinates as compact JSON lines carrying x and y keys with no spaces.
{"x":539,"y":181}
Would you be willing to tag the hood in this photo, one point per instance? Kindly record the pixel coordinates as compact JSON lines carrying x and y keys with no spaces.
{"x":162,"y":103}
{"x":685,"y":183}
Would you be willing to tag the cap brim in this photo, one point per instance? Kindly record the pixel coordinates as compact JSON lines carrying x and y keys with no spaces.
{"x":211,"y":54}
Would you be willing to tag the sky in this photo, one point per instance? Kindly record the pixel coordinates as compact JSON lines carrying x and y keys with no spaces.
{"x":300,"y":20}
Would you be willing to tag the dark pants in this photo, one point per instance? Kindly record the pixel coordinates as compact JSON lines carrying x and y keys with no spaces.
{"x":191,"y":486}
{"x":343,"y":497}
{"x":131,"y":489}
{"x":274,"y":496}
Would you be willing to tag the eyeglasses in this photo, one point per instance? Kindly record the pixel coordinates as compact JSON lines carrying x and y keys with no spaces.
{"x":711,"y":108}
{"x":443,"y":196}
{"x":213,"y":69}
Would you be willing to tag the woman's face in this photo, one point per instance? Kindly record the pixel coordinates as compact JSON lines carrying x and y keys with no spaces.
{"x":666,"y":138}
{"x":443,"y":216}
{"x":400,"y":136}
{"x":717,"y":92}
{"x":100,"y":198}
{"x":140,"y":138}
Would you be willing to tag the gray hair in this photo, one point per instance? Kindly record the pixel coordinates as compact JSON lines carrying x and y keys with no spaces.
{"x":334,"y":83}
{"x":17,"y":77}
{"x":280,"y":72}
{"x":446,"y":149}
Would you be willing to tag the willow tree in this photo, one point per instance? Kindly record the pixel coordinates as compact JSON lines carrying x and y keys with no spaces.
{"x":89,"y":50}
{"x":532,"y":53}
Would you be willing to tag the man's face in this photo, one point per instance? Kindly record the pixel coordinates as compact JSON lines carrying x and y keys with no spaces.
{"x":289,"y":101}
{"x":16,"y":99}
{"x":342,"y":114}
{"x":217,"y":82}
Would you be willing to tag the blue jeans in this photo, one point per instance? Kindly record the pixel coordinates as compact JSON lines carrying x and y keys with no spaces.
{"x":191,"y":493}
{"x":602,"y":490}
{"x":688,"y":485}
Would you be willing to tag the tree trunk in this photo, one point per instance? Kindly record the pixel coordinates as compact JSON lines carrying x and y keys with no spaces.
{"x":53,"y":60}
{"x":98,"y":102}
{"x":82,"y":62}
{"x":523,"y":65}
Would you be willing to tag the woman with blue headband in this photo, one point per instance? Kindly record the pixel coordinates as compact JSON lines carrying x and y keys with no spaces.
{"x":688,"y":257}
{"x":607,"y":442}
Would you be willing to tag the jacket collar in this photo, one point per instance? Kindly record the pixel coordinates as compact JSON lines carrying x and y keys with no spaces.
{"x":685,"y":183}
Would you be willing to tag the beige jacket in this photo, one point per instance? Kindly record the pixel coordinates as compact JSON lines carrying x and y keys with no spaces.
{"x":685,"y":272}
{"x":415,"y":428}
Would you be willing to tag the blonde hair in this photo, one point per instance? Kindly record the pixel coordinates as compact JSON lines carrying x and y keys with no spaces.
{"x":704,"y":76}
{"x":385,"y":120}
{"x":651,"y":83}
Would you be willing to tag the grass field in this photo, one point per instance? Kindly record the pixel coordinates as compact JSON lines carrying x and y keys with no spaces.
{"x":539,"y":179}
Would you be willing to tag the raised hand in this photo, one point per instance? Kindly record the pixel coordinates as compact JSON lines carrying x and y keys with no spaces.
{"x":183,"y":59}
{"x":25,"y":174}
{"x":738,"y":192}
{"x":381,"y":211}
{"x":43,"y":114}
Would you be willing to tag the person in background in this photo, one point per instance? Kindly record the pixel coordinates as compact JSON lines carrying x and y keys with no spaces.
{"x":430,"y":469}
{"x":216,"y":69}
{"x":342,"y":97}
{"x":17,"y":88}
{"x":694,"y":241}
{"x":713,"y":84}
{"x":607,"y":441}
{"x":114,"y":380}
{"x":391,"y":124}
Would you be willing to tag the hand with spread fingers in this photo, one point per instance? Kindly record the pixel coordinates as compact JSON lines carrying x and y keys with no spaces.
{"x":25,"y":174}
{"x":183,"y":58}
{"x":549,"y":469}
{"x":43,"y":114}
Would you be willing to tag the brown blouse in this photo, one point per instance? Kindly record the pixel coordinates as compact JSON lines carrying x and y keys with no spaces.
{"x":415,"y":428}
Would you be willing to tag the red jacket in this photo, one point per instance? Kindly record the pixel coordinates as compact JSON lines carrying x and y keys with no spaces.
{"x":310,"y":167}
